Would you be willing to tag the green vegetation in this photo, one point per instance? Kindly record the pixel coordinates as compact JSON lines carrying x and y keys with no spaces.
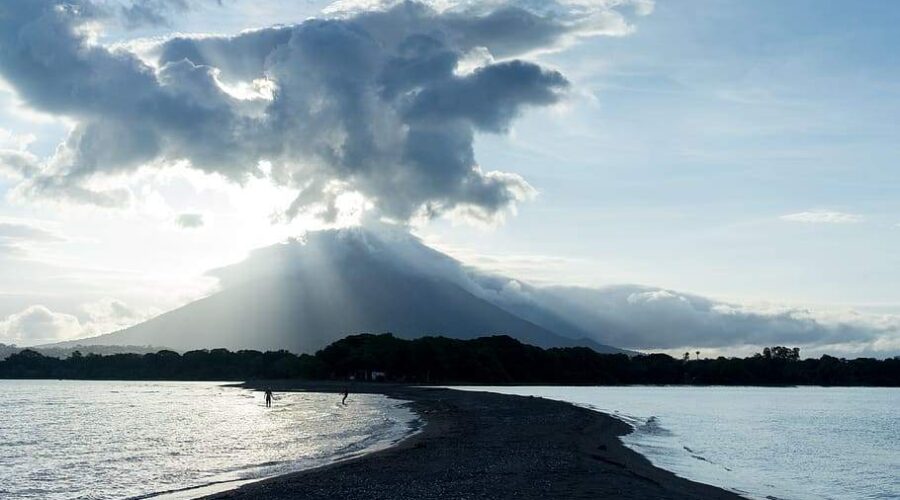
{"x":439,"y":360}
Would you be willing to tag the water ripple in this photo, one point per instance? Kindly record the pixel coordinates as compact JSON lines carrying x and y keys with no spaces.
{"x":64,"y":440}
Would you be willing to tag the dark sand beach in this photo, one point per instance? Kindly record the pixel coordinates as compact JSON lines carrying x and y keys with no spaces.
{"x":483,"y":445}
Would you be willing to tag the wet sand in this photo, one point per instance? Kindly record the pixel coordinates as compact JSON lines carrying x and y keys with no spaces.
{"x":483,"y":445}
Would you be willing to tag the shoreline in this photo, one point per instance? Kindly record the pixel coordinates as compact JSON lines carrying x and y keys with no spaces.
{"x":483,"y":445}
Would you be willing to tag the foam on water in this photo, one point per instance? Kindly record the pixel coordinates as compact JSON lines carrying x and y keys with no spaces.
{"x":99,"y":440}
{"x":796,"y":443}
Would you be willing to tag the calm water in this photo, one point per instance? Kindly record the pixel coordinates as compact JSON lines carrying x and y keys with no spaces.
{"x":98,"y":440}
{"x":791,"y":443}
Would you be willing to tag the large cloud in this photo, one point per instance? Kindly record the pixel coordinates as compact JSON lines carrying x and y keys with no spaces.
{"x":647,"y":318}
{"x":39,"y":324}
{"x":371,"y":101}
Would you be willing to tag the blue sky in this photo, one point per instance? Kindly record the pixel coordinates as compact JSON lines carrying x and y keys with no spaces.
{"x":745,"y":151}
{"x":699,"y":132}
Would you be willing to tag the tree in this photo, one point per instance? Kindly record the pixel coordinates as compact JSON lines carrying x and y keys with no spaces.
{"x":440,"y":360}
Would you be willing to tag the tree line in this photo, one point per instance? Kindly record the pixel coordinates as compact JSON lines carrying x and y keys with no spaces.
{"x":7,"y":350}
{"x":440,"y":360}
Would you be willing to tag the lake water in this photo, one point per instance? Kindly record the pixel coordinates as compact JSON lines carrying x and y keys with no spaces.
{"x":100,"y":440}
{"x":789,"y":443}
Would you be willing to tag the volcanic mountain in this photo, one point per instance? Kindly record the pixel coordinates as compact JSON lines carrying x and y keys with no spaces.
{"x":304,"y":294}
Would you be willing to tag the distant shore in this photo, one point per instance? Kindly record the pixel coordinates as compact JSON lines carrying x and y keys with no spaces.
{"x":484,"y":445}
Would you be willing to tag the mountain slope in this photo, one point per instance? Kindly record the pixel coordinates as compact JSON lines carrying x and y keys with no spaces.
{"x":303,"y":296}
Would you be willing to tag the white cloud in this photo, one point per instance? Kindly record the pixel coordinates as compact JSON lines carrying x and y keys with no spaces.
{"x":823,"y":217}
{"x":10,"y":140}
{"x":109,"y":315}
{"x":18,"y":163}
{"x":654,"y":319}
{"x":562,"y":8}
{"x":38,"y":324}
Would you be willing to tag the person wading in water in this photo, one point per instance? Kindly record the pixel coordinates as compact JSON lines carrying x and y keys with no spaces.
{"x":268,"y":398}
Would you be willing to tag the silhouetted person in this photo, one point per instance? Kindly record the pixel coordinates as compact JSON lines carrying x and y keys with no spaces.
{"x":268,"y":398}
{"x":346,"y":393}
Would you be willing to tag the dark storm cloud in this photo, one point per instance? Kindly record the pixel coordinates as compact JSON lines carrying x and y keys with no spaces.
{"x":370,"y":102}
{"x":489,"y":98}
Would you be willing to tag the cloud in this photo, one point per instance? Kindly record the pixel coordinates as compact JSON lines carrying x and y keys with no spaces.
{"x":37,"y":324}
{"x":651,"y":318}
{"x":189,"y":221}
{"x":823,"y":217}
{"x":566,"y":20}
{"x":16,"y":238}
{"x":17,"y":231}
{"x":15,"y":142}
{"x":19,"y":164}
{"x":367,"y":102}
{"x":109,"y":315}
{"x":151,"y":12}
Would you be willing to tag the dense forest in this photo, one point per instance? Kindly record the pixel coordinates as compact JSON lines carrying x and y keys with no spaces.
{"x":439,"y":360}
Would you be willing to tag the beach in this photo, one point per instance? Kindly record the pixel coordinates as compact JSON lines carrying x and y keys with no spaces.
{"x":484,"y":445}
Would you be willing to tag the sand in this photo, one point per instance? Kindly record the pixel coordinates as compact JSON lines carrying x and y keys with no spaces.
{"x":483,"y":445}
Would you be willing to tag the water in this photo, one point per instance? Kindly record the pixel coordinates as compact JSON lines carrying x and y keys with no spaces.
{"x":100,"y":440}
{"x":789,"y":443}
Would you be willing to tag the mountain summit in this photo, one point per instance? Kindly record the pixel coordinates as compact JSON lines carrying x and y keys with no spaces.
{"x":304,"y":294}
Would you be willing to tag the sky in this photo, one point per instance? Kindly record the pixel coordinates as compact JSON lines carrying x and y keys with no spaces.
{"x":740,"y":151}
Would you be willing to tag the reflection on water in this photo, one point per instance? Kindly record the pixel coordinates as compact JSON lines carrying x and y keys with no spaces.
{"x":86,"y":439}
{"x":792,"y":443}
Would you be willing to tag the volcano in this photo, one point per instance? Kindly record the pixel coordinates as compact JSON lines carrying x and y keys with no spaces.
{"x":303,"y":294}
